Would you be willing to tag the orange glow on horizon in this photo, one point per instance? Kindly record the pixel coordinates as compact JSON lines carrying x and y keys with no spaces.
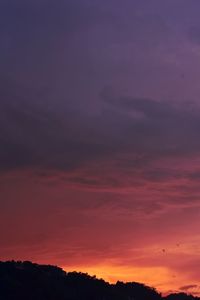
{"x":157,"y":277}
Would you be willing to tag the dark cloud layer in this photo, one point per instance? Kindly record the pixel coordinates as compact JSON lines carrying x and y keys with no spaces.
{"x":142,"y":129}
{"x":54,"y":114}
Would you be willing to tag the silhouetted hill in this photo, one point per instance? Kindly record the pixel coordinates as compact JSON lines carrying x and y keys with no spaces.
{"x":180,"y":296}
{"x":29,"y":281}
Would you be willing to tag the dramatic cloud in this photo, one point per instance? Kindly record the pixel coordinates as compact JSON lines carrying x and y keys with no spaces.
{"x":99,"y":137}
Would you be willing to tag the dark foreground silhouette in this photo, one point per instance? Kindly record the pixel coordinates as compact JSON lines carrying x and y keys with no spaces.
{"x":28,"y":281}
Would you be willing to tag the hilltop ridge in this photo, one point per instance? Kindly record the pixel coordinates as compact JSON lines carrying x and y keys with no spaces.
{"x":27,"y":280}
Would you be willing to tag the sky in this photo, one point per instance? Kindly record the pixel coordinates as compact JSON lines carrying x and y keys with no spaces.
{"x":99,"y":138}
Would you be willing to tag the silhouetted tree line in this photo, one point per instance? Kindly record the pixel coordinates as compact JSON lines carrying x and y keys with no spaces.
{"x":29,"y":281}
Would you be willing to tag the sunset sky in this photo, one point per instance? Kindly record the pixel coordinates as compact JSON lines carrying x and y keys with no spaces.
{"x":100,"y":138}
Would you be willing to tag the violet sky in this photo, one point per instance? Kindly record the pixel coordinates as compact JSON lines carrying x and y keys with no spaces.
{"x":100,"y":137}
